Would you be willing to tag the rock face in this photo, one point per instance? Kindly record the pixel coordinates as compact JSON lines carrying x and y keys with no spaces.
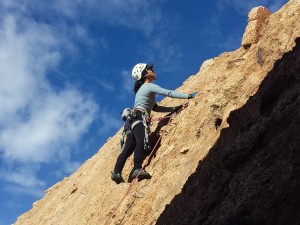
{"x":251,"y":175}
{"x":256,"y":19}
{"x":231,"y":157}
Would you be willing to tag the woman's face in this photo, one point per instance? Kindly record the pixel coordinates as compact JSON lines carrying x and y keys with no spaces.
{"x":151,"y":74}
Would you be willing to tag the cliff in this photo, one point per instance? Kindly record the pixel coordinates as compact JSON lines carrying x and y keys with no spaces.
{"x":230,"y":157}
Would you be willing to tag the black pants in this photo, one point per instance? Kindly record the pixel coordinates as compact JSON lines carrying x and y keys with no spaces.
{"x":134,"y":143}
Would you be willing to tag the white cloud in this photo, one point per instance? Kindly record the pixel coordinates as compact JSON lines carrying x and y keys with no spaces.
{"x":37,"y":123}
{"x":54,"y":120}
{"x":37,"y":192}
{"x":22,"y":179}
{"x":25,"y":177}
{"x":21,"y":60}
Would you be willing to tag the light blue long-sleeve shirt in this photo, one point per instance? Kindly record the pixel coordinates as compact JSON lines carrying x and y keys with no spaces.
{"x":145,"y":98}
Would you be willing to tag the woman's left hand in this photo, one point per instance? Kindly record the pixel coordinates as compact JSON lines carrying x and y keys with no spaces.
{"x":193,"y":95}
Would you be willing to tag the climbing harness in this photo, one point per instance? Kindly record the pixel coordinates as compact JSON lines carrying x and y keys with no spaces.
{"x":128,"y":115}
{"x":112,"y":214}
{"x":130,"y":121}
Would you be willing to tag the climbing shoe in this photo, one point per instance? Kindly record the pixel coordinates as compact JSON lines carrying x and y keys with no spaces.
{"x":117,"y":177}
{"x":140,"y":174}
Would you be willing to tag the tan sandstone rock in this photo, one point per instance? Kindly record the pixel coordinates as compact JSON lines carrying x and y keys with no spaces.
{"x":256,"y":19}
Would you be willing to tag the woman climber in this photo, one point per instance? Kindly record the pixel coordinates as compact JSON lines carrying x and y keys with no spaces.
{"x":145,"y":102}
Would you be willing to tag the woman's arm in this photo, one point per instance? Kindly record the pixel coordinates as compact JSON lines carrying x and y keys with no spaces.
{"x":170,"y":93}
{"x":159,"y":108}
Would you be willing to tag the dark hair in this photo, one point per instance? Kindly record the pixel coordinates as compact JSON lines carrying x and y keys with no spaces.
{"x":140,"y":82}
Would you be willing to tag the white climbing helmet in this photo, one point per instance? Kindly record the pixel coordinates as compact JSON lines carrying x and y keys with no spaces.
{"x":138,"y":70}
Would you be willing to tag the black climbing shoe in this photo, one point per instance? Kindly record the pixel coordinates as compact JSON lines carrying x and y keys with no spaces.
{"x":117,"y":177}
{"x":141,"y":174}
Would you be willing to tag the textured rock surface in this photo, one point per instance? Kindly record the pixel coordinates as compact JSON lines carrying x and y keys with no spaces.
{"x":251,"y":175}
{"x":239,"y":136}
{"x":256,"y":19}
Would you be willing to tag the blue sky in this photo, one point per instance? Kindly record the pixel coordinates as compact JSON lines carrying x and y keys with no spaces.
{"x":65,"y":76}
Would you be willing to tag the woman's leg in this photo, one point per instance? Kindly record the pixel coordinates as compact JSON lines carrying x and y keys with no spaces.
{"x":139,"y":134}
{"x":126,"y":152}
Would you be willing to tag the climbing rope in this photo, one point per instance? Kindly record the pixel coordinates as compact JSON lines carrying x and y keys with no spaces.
{"x":112,"y":214}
